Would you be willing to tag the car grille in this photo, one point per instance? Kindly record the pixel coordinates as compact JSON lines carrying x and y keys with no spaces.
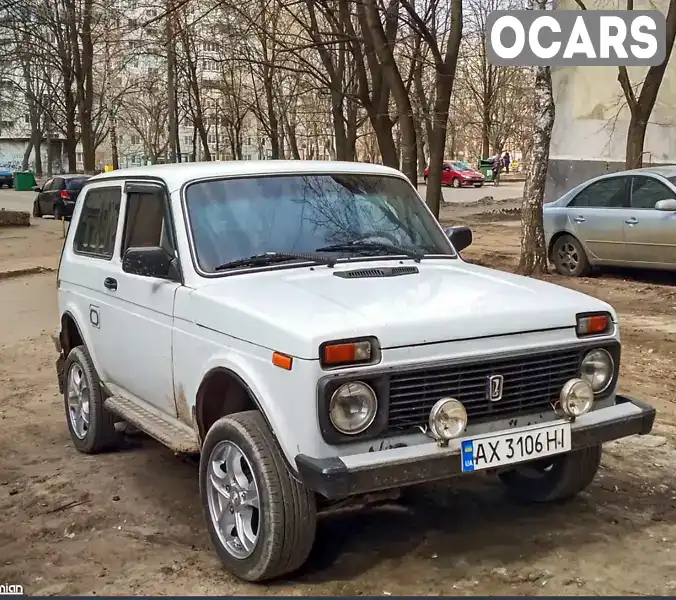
{"x":531,"y":384}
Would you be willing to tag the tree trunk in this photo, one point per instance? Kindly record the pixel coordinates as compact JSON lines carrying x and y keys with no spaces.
{"x":27,"y":155}
{"x":533,"y":259}
{"x":409,"y":151}
{"x":635,"y":142}
{"x":171,"y":84}
{"x":485,"y":133}
{"x":50,"y":150}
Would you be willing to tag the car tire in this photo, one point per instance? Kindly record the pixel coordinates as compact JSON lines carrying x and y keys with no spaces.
{"x":569,"y":258}
{"x":554,"y":479}
{"x":91,"y":425}
{"x":455,"y":182}
{"x":37,"y":213}
{"x":286,"y":517}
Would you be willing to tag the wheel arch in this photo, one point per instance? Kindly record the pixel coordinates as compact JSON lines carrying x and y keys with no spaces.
{"x":558,"y":235}
{"x":223,"y":392}
{"x":71,"y":334}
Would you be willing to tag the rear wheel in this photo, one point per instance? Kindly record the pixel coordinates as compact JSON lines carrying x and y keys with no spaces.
{"x":261,"y":520}
{"x":91,"y":425}
{"x":554,"y":479}
{"x":569,"y":257}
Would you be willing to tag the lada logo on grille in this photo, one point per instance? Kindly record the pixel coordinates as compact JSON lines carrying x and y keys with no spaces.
{"x":494,"y":385}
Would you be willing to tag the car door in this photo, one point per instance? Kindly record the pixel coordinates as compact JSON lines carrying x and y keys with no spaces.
{"x":446,"y":174}
{"x":43,"y":198}
{"x":139,"y":357}
{"x":87,"y":261}
{"x":596,"y":217}
{"x":650,"y":234}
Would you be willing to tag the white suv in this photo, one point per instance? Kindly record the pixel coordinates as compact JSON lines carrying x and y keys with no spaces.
{"x":313,"y":333}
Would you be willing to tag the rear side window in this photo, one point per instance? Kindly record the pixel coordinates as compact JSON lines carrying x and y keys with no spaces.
{"x":607,"y":193}
{"x":75,"y":185}
{"x":96,"y":229}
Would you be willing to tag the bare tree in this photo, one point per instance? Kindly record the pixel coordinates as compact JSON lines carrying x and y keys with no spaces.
{"x":533,"y":258}
{"x":641,"y":104}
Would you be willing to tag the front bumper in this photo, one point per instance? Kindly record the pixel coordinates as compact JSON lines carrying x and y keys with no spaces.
{"x":337,"y":478}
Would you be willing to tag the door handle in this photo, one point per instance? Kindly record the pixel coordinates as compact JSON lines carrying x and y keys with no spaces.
{"x":110,"y":283}
{"x":579,"y":219}
{"x":631,"y":221}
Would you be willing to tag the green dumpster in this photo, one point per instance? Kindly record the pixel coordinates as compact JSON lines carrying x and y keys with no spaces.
{"x":486,"y":167}
{"x":24,"y":181}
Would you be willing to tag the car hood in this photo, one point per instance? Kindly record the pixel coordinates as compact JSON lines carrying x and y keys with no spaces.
{"x":295,"y":310}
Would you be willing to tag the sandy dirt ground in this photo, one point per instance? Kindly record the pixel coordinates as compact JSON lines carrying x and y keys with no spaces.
{"x":130,"y":522}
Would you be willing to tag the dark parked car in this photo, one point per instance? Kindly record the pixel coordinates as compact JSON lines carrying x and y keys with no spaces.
{"x":57,"y":197}
{"x":6,"y":178}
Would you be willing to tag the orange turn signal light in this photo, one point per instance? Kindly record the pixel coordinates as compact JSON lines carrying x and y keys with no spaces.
{"x":593,"y":324}
{"x":352,"y":352}
{"x":282,"y":361}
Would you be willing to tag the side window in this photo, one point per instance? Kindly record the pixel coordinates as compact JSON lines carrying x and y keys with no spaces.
{"x":48,"y":186}
{"x":646,"y":192}
{"x":145,"y":223}
{"x":59,"y":183}
{"x":96,"y":229}
{"x":607,"y":193}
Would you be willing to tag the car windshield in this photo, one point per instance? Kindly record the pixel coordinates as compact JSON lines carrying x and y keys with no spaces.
{"x":76,"y":184}
{"x":462,"y":166}
{"x":233,"y":219}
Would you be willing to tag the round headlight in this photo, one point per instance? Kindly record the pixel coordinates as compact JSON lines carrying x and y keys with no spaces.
{"x":448,"y":419}
{"x":597,"y":369}
{"x":577,"y":397}
{"x":353,"y":407}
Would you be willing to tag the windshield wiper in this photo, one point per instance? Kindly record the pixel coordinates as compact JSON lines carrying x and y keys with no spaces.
{"x":270,"y":258}
{"x":371,"y":248}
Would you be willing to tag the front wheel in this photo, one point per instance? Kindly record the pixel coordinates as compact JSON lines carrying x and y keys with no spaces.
{"x":261,"y":520}
{"x":554,"y":479}
{"x":456,"y":182}
{"x":37,"y":213}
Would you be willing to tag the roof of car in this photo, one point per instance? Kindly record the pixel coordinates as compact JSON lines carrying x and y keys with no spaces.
{"x":175,"y":175}
{"x":663,"y":170}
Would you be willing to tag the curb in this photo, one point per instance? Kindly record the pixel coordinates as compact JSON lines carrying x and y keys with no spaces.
{"x":27,"y":271}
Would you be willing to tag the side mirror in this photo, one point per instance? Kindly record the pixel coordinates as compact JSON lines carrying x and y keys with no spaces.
{"x":37,"y":188}
{"x":461,"y":237}
{"x":151,"y":261}
{"x":666,"y":205}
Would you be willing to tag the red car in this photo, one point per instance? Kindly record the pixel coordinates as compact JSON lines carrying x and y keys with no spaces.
{"x":457,"y":174}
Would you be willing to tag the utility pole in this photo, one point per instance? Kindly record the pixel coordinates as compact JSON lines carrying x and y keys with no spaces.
{"x":171,"y":82}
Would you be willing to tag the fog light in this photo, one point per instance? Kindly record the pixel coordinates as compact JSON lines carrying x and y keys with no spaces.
{"x":577,"y":397}
{"x":448,"y":419}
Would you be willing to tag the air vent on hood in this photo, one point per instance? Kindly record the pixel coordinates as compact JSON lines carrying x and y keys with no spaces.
{"x":379,"y":272}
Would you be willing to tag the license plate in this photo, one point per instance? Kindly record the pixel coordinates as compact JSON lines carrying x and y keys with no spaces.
{"x":492,"y":451}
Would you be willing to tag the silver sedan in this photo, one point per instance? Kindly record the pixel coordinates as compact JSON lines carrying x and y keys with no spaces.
{"x":621,"y":219}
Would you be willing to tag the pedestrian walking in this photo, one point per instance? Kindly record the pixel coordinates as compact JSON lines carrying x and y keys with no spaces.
{"x":497,"y":167}
{"x":506,"y":159}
